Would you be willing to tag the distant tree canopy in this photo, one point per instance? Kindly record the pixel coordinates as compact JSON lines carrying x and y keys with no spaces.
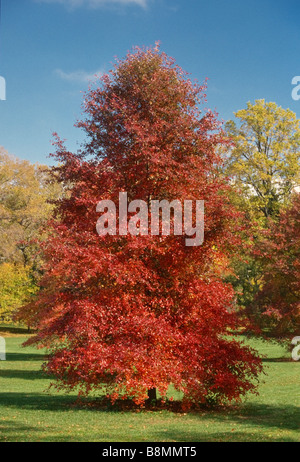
{"x":276,"y":306}
{"x":16,"y":288}
{"x":265,"y":160}
{"x":25,"y":192}
{"x":264,"y":164}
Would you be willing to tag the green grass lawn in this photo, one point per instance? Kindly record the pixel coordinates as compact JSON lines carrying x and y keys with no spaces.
{"x":29,"y":413}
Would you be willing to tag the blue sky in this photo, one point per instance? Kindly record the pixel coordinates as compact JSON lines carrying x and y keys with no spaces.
{"x":49,"y":49}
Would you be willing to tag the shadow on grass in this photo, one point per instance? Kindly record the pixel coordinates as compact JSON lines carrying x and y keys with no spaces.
{"x":23,"y":374}
{"x":8,"y":428}
{"x":257,"y":415}
{"x":12,"y":431}
{"x":25,"y":357}
{"x":229,"y":436}
{"x":258,"y":418}
{"x":15,"y":330}
{"x":280,"y":416}
{"x":35,"y":401}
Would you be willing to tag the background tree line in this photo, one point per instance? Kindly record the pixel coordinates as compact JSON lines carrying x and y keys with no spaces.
{"x":26,"y":203}
{"x":264,"y":166}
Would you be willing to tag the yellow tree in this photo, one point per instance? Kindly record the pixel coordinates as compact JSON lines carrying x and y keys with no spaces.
{"x":25,"y":192}
{"x":264,"y":160}
{"x":16,"y":287}
{"x":25,"y":196}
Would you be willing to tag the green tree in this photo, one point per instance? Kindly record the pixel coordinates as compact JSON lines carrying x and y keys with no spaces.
{"x":26,"y":193}
{"x":263,"y":163}
{"x":276,"y":307}
{"x":16,"y":287}
{"x":264,"y":159}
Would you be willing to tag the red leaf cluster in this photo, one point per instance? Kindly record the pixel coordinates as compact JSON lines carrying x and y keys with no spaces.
{"x":277,"y":305}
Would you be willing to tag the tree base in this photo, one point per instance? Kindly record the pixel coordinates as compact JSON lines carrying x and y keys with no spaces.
{"x":152,"y":395}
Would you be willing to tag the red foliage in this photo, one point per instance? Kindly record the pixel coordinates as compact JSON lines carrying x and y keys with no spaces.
{"x":277,"y":305}
{"x":137,"y":312}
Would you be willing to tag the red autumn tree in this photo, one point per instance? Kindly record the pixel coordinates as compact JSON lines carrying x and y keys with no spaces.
{"x":137,"y":313}
{"x":276,"y":307}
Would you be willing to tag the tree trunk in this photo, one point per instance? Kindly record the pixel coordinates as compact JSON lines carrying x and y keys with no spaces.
{"x":152,"y":394}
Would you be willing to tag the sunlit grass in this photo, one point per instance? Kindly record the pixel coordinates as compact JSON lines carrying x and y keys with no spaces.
{"x":29,"y":413}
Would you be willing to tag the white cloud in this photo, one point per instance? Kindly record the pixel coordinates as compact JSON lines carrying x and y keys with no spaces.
{"x":79,"y":76}
{"x":96,"y":3}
